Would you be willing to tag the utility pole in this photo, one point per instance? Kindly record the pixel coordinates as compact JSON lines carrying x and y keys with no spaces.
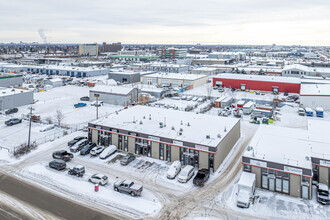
{"x":97,"y":105}
{"x":31,"y":109}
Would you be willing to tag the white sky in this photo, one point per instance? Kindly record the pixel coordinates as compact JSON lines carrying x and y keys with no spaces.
{"x":287,"y":22}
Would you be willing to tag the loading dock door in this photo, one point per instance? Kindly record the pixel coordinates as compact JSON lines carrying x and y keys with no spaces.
{"x":243,"y":87}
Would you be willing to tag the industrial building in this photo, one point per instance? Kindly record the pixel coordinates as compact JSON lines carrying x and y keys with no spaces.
{"x":174,"y":80}
{"x":257,"y":82}
{"x":202,"y":141}
{"x":114,"y":47}
{"x":315,"y":95}
{"x":210,"y":61}
{"x":287,"y":160}
{"x":56,"y":82}
{"x":115,"y":95}
{"x":173,"y":53}
{"x":71,"y":71}
{"x":142,"y":58}
{"x":12,"y":98}
{"x":205,"y":70}
{"x":126,"y":77}
{"x":298,"y":70}
{"x":89,"y":49}
{"x":169,"y":68}
{"x":10,"y":79}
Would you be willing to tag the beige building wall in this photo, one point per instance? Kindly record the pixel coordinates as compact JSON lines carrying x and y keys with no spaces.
{"x":155,"y":150}
{"x":115,"y":139}
{"x":227,"y":144}
{"x":257,"y":172}
{"x":199,"y":82}
{"x":95,"y":136}
{"x":175,"y":153}
{"x":131,"y":145}
{"x":295,"y":185}
{"x":324,"y":175}
{"x":203,"y":160}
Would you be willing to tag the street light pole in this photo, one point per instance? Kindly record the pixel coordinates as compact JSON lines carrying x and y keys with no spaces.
{"x":97,"y":105}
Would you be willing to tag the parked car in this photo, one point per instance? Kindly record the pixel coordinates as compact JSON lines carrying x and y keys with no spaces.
{"x":99,"y":179}
{"x":301,"y":112}
{"x":11,"y":111}
{"x":174,"y":169}
{"x":80,"y":104}
{"x":95,"y":103}
{"x":323,"y":196}
{"x":216,"y":87}
{"x":86,"y":149}
{"x":79,"y":145}
{"x":57,"y":164}
{"x":75,"y":140}
{"x":107,"y":152}
{"x":201,"y":177}
{"x":220,"y":89}
{"x":186,"y":173}
{"x":127,"y":159}
{"x":97,"y":150}
{"x":77,"y":171}
{"x":84,"y":98}
{"x":47,"y":128}
{"x":13,"y":121}
{"x":62,"y":155}
{"x":128,"y":186}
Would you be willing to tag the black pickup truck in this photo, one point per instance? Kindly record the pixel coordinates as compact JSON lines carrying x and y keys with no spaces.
{"x":201,"y":177}
{"x":62,"y":155}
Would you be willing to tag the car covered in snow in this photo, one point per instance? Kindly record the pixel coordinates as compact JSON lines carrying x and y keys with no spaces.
{"x":127,"y":159}
{"x":174,"y":169}
{"x":47,"y":128}
{"x":77,"y":171}
{"x":62,"y":155}
{"x":97,"y":150}
{"x":99,"y":179}
{"x":57,"y":164}
{"x":127,"y":186}
{"x":108,"y":151}
{"x":186,"y":173}
{"x":323,"y":196}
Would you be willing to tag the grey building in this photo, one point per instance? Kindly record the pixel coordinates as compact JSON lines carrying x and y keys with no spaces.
{"x":116,"y":95}
{"x":10,"y":79}
{"x":202,"y":141}
{"x":126,"y":77}
{"x":11,"y":98}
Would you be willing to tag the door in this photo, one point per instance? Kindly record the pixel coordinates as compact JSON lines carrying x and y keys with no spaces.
{"x":304,"y":192}
{"x":271,"y":183}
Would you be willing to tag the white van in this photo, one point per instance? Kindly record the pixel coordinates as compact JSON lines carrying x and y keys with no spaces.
{"x":174,"y":169}
{"x":107,"y":152}
{"x":245,"y":190}
{"x":186,"y":173}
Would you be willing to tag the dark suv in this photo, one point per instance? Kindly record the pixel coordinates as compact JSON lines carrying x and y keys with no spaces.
{"x":11,"y":111}
{"x":57,"y":164}
{"x":87,"y":148}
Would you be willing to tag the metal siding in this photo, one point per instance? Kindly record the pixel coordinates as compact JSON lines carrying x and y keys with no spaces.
{"x":175,"y":153}
{"x":324,"y":175}
{"x":131,"y":145}
{"x":155,"y":150}
{"x":295,"y":185}
{"x":257,"y":172}
{"x":203,"y":161}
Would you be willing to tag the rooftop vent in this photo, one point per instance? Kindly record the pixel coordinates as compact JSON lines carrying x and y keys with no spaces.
{"x":225,"y":129}
{"x":208,"y":136}
{"x":307,"y":158}
{"x":181,"y":130}
{"x":180,"y":133}
{"x":141,"y":122}
{"x":219,"y":135}
{"x":173,"y":128}
{"x":188,"y":124}
{"x":149,"y":116}
{"x":161,"y":125}
{"x":249,"y":148}
{"x":181,"y":122}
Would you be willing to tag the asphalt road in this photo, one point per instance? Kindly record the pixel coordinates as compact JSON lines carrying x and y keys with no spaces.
{"x":44,"y":200}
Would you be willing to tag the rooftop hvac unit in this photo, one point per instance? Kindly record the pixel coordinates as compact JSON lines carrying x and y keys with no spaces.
{"x":173,"y":128}
{"x":180,"y":133}
{"x":181,"y":130}
{"x":208,"y":136}
{"x":219,"y":135}
{"x":161,"y":125}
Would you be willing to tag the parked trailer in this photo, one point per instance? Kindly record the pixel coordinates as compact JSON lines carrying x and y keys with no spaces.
{"x":240,"y":104}
{"x":259,"y":113}
{"x":248,"y":108}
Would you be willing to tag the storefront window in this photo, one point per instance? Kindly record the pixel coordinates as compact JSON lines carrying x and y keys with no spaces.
{"x":211,"y":162}
{"x":264,"y":178}
{"x":125,"y":143}
{"x":286,"y":186}
{"x":149,"y":149}
{"x":120,"y":144}
{"x":168,"y":152}
{"x":161,"y":151}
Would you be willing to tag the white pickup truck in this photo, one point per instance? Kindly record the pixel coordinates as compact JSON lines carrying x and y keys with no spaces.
{"x":245,"y":190}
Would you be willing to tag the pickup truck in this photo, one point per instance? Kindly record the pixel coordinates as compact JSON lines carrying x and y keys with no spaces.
{"x":128,"y":186}
{"x":201,"y":177}
{"x":62,"y":155}
{"x":80,"y":104}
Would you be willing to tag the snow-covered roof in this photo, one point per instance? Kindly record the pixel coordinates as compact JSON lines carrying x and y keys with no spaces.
{"x":11,"y":91}
{"x":55,"y":80}
{"x":258,"y":78}
{"x":315,"y":89}
{"x":123,"y":90}
{"x":195,"y":127}
{"x":289,"y":146}
{"x":296,"y":66}
{"x":184,"y":76}
{"x":247,"y":179}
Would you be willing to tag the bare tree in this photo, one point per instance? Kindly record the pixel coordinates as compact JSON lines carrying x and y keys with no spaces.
{"x":59,"y":117}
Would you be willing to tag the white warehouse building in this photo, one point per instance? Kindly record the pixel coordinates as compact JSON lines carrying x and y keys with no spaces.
{"x":315,"y":95}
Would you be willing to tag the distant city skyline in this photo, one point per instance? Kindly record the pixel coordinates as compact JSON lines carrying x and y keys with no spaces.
{"x":254,"y":22}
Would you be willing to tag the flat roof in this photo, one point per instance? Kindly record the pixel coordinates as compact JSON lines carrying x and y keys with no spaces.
{"x":11,"y":91}
{"x":288,"y":146}
{"x":185,"y":76}
{"x":123,"y":90}
{"x":258,"y":78}
{"x":315,"y":90}
{"x":200,"y":125}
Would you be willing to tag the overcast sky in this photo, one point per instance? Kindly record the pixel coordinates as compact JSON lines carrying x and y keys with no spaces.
{"x":287,"y":22}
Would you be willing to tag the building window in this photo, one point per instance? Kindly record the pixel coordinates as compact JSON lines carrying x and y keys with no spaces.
{"x":161,"y":151}
{"x":264,"y":178}
{"x":196,"y":158}
{"x":149,"y":149}
{"x":211,"y":162}
{"x":286,"y":186}
{"x":125,"y":143}
{"x":120,"y":146}
{"x":278,"y":181}
{"x":100,"y":138}
{"x":316,"y":173}
{"x":168,"y":152}
{"x":247,"y":168}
